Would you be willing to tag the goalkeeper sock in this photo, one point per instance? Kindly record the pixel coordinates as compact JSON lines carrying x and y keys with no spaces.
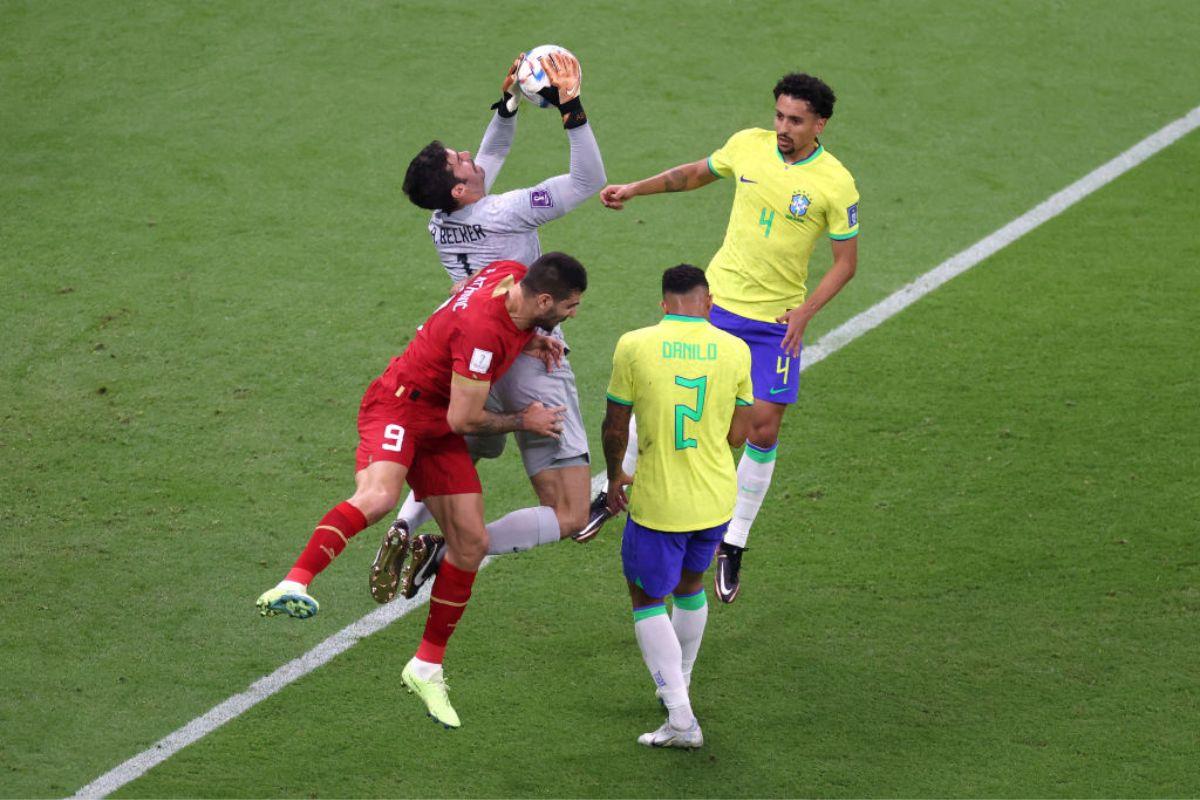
{"x":414,"y":512}
{"x":329,"y":539}
{"x":523,"y":529}
{"x":754,"y":478}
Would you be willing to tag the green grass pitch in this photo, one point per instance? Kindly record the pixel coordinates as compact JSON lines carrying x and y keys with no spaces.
{"x":977,"y":572}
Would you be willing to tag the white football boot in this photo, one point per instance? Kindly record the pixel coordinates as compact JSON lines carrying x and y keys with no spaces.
{"x":668,"y":736}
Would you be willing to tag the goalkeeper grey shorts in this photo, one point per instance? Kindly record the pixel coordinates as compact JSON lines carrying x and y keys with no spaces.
{"x":525,"y":382}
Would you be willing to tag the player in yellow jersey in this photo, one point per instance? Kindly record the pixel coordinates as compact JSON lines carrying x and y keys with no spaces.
{"x":688,"y":384}
{"x":789,"y":192}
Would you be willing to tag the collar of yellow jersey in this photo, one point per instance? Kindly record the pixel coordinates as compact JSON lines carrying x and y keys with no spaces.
{"x":820,"y":149}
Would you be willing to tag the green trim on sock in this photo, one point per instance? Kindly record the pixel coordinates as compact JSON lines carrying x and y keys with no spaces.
{"x":640,"y":614}
{"x":762,"y":457}
{"x":692,"y":602}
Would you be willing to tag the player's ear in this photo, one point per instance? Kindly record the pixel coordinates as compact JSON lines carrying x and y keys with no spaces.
{"x":820,"y":126}
{"x":663,"y":303}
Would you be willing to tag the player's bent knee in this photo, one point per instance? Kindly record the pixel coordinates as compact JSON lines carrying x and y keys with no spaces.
{"x":374,"y":502}
{"x":469,"y":552}
{"x":689,"y":584}
{"x":764,"y":429}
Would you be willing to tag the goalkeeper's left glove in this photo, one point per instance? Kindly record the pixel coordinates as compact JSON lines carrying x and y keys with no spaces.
{"x":562,"y":69}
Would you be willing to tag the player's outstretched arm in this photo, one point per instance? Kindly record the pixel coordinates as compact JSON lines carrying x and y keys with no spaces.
{"x":498,"y":138}
{"x":585,"y":175}
{"x":683,"y":178}
{"x":614,"y":433}
{"x":467,"y":415}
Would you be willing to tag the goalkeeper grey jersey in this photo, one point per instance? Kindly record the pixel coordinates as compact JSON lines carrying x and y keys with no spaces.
{"x":505,"y":226}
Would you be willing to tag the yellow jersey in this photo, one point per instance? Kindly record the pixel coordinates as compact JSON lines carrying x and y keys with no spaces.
{"x":683,"y":377}
{"x":779,"y":212}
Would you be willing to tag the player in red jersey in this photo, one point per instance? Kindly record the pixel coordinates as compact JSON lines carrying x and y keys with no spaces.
{"x":411,"y":425}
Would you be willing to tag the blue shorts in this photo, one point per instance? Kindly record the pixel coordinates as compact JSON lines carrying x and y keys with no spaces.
{"x":655,"y":560}
{"x":776,"y":375}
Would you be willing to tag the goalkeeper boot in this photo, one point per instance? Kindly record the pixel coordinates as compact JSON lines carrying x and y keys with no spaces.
{"x":288,"y":597}
{"x":424,"y":558}
{"x":598,"y":514}
{"x":727,"y":576}
{"x":669,"y":736}
{"x":385,"y":570}
{"x":434,"y":692}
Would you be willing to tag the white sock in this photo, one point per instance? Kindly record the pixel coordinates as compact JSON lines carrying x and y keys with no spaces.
{"x":664,"y":658}
{"x":293,"y":586}
{"x":414,"y":513}
{"x":754,"y":477}
{"x":424,"y":669}
{"x":523,"y":529}
{"x":688,"y":618}
{"x":629,"y":463}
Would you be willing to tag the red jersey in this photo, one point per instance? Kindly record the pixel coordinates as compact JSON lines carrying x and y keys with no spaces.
{"x":471,"y":334}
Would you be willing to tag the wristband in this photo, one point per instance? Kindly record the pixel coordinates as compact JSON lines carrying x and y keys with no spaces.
{"x":506,"y":106}
{"x":573,"y":114}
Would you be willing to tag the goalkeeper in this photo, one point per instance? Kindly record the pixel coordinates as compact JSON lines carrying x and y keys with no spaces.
{"x":471,"y":228}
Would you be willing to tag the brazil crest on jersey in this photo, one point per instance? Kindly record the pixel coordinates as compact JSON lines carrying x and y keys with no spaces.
{"x":779,"y":212}
{"x":683,"y":378}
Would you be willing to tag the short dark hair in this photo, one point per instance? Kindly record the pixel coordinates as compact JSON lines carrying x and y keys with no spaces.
{"x":682,"y":279}
{"x":806,"y":87}
{"x":429,"y":181}
{"x":556,"y":274}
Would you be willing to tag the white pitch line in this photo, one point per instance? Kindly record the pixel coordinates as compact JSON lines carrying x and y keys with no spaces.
{"x":1047,"y":210}
{"x":833,"y":341}
{"x":260,"y":690}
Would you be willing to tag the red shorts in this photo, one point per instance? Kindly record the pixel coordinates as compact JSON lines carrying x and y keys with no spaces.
{"x":414,"y":434}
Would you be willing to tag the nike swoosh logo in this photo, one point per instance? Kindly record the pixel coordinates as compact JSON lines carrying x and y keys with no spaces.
{"x":777,"y":391}
{"x":744,"y":179}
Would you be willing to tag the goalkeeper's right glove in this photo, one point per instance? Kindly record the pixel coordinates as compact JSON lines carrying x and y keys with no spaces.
{"x":510,"y":96}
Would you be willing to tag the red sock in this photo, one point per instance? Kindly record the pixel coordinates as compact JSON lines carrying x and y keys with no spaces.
{"x":336,"y":528}
{"x":448,"y":601}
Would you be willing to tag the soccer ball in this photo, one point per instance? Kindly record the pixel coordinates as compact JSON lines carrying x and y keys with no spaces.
{"x":531,"y":76}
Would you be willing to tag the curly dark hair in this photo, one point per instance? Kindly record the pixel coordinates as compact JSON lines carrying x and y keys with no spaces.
{"x":429,"y":181}
{"x":807,"y":87}
{"x":682,"y":278}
